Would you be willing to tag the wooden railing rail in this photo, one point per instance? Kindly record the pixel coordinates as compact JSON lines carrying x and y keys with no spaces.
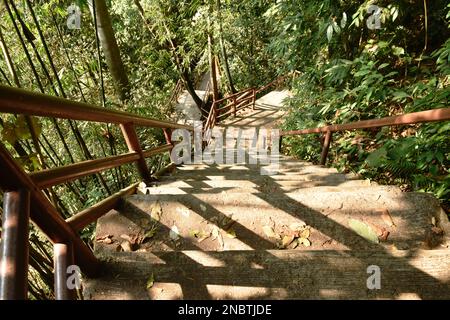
{"x":18,"y":101}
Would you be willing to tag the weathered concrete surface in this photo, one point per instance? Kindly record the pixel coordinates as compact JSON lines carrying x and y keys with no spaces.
{"x":274,"y":274}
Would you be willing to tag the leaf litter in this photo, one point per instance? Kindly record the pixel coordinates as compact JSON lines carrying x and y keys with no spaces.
{"x":292,"y":236}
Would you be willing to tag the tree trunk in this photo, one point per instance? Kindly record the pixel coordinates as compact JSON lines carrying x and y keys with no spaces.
{"x":224,"y":50}
{"x":110,"y":48}
{"x":190,"y":87}
{"x":212,"y":68}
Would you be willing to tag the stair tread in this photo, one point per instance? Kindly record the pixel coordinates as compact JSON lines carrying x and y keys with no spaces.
{"x":327,"y":213}
{"x":258,"y":183}
{"x":273,"y":274}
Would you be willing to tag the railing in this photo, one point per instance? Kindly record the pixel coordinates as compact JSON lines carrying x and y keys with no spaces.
{"x":179,"y":88}
{"x":231,"y":104}
{"x":434,"y":115}
{"x":22,"y":189}
{"x":203,"y":109}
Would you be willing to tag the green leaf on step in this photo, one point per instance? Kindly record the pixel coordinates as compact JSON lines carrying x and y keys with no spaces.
{"x":231,"y":234}
{"x":150,"y":281}
{"x":151,"y":233}
{"x":363,"y":230}
{"x":194,"y":233}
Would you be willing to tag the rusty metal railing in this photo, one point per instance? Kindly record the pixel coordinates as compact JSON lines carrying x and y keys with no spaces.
{"x":231,"y":104}
{"x":434,"y":115}
{"x":22,"y":189}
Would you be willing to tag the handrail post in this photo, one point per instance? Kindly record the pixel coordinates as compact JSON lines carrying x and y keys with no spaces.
{"x":168,"y":136}
{"x":132,"y":141}
{"x":326,"y":147}
{"x":233,"y":107}
{"x":63,"y":259}
{"x":254,"y":99}
{"x":280,"y":143}
{"x":14,"y":245}
{"x":214,"y":111}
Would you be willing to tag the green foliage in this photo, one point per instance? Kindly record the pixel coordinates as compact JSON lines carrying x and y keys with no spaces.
{"x":350,"y":73}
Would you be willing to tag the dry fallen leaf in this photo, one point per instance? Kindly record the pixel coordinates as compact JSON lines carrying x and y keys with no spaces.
{"x":287,"y":240}
{"x":105,"y":239}
{"x":221,"y":243}
{"x":304,"y":242}
{"x":305,"y":234}
{"x":384,"y":235}
{"x":133,"y":239}
{"x":142,"y":188}
{"x":203,"y":236}
{"x":215,"y":233}
{"x":268,"y":230}
{"x":203,"y":207}
{"x":298,"y":226}
{"x":437,"y":230}
{"x":126,"y":246}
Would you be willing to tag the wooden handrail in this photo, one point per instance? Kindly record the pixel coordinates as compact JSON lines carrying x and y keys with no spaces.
{"x":442,"y":114}
{"x":239,"y":101}
{"x":274,"y":82}
{"x":54,"y":176}
{"x":233,"y":95}
{"x":19,"y":101}
{"x":13,"y":178}
{"x":45,"y":216}
{"x":86,"y":217}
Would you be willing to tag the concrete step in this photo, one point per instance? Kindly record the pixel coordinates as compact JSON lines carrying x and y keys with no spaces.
{"x":237,"y":221}
{"x":273,"y":274}
{"x":249,"y":169}
{"x":317,"y":176}
{"x":258,"y":190}
{"x":262,"y":183}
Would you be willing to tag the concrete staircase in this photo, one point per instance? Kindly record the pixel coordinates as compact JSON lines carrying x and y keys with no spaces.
{"x":309,"y":232}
